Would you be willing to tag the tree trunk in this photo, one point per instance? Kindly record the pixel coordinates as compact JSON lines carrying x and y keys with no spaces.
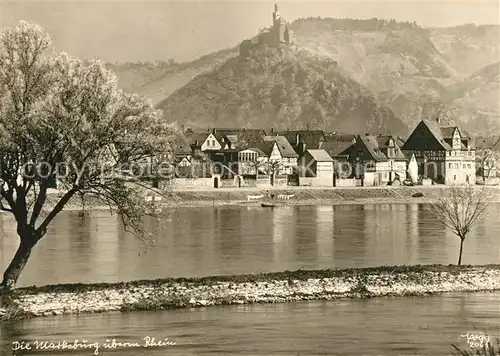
{"x":16,"y":266}
{"x":461,"y":249}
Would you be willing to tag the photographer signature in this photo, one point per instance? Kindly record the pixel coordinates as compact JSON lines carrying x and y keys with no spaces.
{"x":476,"y":340}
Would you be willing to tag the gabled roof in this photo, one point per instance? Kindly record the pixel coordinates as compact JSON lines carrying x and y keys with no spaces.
{"x":311,"y":138}
{"x":232,"y":138}
{"x":182,"y":146}
{"x":383,"y":143}
{"x":426,"y":136}
{"x":284,"y":146}
{"x":261,"y":147}
{"x":408,"y":154}
{"x":240,"y":137}
{"x":196,"y":136}
{"x":338,"y":145}
{"x":447,"y":132}
{"x":320,"y":155}
{"x":437,"y":131}
{"x":371,"y":144}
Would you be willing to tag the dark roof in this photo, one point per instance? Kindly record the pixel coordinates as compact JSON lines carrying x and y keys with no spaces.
{"x":193,"y":136}
{"x":284,"y":146}
{"x":311,"y":138}
{"x":407,"y":154}
{"x":261,"y":147}
{"x":383,"y":143}
{"x":182,"y":146}
{"x":436,"y":130}
{"x":371,"y":144}
{"x":337,"y":145}
{"x":447,"y":132}
{"x":240,"y":137}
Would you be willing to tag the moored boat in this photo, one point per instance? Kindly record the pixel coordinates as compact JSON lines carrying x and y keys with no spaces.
{"x":267,"y":205}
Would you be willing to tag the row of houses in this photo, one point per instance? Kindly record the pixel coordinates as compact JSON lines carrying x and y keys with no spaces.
{"x":432,"y":154}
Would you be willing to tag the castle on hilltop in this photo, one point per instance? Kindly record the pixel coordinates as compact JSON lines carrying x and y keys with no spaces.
{"x":279,"y":33}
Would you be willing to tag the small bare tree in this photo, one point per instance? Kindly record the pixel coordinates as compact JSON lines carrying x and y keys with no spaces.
{"x":460,"y":209}
{"x":486,"y":163}
{"x":274,"y":167}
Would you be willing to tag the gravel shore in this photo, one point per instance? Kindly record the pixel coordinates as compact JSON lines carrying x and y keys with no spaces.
{"x":261,"y":288}
{"x":300,"y":196}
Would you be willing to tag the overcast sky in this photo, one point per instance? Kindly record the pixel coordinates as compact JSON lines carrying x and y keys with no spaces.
{"x":159,"y":30}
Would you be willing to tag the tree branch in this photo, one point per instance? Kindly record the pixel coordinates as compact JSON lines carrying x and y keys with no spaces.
{"x":57,"y":209}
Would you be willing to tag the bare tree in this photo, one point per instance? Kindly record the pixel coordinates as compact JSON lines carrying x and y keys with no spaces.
{"x":460,"y":209}
{"x":64,"y":119}
{"x":274,"y":169}
{"x":487,"y":161}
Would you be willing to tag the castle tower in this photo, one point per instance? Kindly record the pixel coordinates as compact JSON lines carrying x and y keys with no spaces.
{"x":276,"y":15}
{"x":278,"y":26}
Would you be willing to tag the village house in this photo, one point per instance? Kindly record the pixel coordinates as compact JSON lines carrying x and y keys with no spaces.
{"x":318,"y":169}
{"x":444,"y":154}
{"x":303,"y":140}
{"x":487,"y":157}
{"x":377,"y":160}
{"x":267,"y":157}
{"x":283,"y":153}
{"x":183,"y":156}
{"x":338,"y":147}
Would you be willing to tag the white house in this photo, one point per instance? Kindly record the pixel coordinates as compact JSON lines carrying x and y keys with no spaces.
{"x":377,"y":160}
{"x":445,"y":154}
{"x":318,"y":168}
{"x":210,"y":143}
{"x":283,"y":153}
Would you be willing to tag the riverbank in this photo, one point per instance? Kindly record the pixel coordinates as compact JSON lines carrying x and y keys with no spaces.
{"x":280,"y":287}
{"x":299,"y":196}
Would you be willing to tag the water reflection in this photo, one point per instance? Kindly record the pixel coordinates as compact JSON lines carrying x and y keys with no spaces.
{"x":226,"y":240}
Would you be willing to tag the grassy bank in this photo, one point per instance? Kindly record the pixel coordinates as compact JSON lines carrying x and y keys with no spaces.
{"x":301,"y":196}
{"x":290,"y":286}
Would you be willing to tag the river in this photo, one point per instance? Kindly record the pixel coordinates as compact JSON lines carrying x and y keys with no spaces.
{"x":225,"y":240}
{"x":379,"y":326}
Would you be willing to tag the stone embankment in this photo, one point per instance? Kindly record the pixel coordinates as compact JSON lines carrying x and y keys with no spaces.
{"x":247,"y":289}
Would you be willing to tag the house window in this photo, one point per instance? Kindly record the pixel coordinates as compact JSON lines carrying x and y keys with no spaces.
{"x":450,"y":165}
{"x":469,"y":165}
{"x":456,"y":166}
{"x":454,"y":177}
{"x":465,"y":165}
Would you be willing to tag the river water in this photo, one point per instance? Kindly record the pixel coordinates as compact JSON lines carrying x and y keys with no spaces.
{"x":226,"y":240}
{"x":379,"y":326}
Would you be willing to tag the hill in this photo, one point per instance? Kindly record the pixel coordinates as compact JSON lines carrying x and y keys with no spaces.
{"x":279,"y":88}
{"x":158,"y":80}
{"x":415,"y":72}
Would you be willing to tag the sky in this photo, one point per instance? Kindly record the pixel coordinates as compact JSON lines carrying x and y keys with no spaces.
{"x":130,"y":31}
